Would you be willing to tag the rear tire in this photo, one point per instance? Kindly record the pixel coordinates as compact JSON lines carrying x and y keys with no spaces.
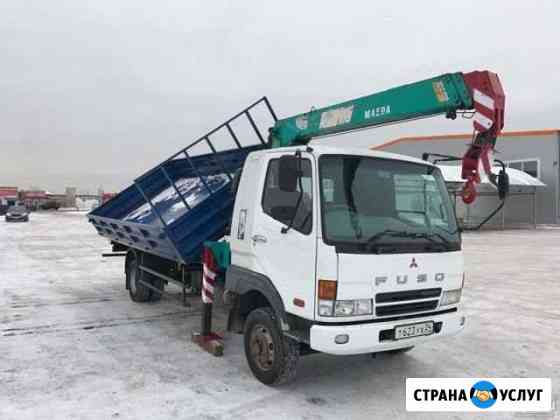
{"x":271,"y":355}
{"x":157,"y":283}
{"x":137,"y":291}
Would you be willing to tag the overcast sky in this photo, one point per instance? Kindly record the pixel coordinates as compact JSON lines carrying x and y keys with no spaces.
{"x":95,"y":92}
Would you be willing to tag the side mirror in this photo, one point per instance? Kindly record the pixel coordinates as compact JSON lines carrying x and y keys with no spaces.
{"x":288,"y":173}
{"x":503,"y":184}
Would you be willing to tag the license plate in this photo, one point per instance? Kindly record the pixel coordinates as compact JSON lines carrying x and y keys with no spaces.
{"x":414,"y":330}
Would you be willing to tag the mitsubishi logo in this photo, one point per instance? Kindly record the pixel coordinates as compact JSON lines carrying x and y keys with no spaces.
{"x":413,"y":263}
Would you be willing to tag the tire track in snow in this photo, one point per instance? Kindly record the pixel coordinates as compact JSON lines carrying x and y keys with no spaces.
{"x":37,"y":304}
{"x":89,"y":325}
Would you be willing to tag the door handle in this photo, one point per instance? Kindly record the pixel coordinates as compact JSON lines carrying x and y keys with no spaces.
{"x":258,"y":238}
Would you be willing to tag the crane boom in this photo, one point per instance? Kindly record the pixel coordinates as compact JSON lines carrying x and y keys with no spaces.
{"x":479,"y":91}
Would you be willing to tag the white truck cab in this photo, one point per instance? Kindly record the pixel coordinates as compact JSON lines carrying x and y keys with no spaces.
{"x":356,"y":251}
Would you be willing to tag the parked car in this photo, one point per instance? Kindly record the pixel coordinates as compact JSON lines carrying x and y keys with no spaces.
{"x":17,"y":214}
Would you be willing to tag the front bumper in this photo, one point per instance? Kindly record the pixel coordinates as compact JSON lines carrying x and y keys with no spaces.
{"x":367,"y":337}
{"x":16,"y":218}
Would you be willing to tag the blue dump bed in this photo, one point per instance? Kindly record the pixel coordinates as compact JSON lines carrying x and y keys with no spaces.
{"x":187,"y":199}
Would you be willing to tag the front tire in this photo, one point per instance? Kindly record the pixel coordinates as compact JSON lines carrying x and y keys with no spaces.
{"x":271,"y":355}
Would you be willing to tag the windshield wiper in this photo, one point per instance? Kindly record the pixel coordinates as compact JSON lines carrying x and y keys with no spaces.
{"x":388,"y":232}
{"x":441,"y":242}
{"x":431,"y":237}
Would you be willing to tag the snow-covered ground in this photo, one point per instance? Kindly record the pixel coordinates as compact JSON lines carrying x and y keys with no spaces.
{"x":73,"y":345}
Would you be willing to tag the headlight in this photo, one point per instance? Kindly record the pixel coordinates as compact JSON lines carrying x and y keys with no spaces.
{"x":326,"y":307}
{"x":340,"y":308}
{"x":450,"y":297}
{"x":363,"y":307}
{"x":344,"y":308}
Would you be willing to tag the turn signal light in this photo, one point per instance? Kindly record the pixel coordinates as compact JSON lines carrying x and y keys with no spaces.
{"x":327,"y":289}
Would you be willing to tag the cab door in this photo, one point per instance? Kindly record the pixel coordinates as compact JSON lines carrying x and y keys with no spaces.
{"x":288,"y":258}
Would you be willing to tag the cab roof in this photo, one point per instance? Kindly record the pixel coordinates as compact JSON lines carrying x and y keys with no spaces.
{"x":353,"y":151}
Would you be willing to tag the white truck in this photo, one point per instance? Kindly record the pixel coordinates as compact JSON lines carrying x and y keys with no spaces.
{"x":317,"y":248}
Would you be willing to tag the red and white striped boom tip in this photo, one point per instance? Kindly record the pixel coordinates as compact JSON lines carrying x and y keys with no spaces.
{"x":209,"y":271}
{"x":489,"y":103}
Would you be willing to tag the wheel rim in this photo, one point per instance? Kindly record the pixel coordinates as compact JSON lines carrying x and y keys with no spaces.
{"x":132,"y":281}
{"x":262,"y":347}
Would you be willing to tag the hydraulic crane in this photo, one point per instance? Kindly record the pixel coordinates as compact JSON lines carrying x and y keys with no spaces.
{"x":448,"y":94}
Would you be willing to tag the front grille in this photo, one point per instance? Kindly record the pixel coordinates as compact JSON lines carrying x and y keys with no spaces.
{"x":398,"y":303}
{"x":407,"y":295}
{"x":406,"y":308}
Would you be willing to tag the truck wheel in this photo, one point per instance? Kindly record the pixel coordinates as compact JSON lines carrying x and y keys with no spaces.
{"x":272,"y":356}
{"x":137,"y":291}
{"x":155,"y":282}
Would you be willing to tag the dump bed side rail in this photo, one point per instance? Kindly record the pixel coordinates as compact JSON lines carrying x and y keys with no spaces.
{"x":171,"y":209}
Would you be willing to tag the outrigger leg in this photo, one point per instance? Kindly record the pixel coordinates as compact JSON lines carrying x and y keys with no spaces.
{"x":206,"y":338}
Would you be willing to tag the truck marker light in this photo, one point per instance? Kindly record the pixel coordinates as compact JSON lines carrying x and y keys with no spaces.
{"x":327,"y":289}
{"x":299,"y":302}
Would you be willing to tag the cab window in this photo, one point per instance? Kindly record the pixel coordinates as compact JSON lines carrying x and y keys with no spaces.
{"x":279,"y":204}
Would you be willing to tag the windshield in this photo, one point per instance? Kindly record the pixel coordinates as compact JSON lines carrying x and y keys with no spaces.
{"x":17,"y":209}
{"x":380,"y":205}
